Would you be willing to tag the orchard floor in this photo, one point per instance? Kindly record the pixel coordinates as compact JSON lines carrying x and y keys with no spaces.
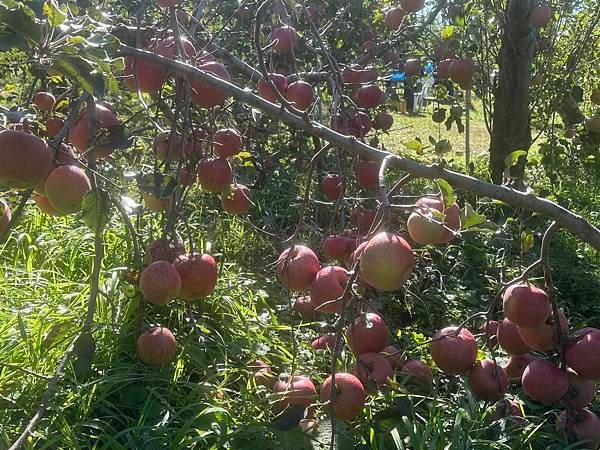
{"x":207,"y":398}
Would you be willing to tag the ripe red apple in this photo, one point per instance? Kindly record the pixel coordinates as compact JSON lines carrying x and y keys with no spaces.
{"x":417,"y":374}
{"x":214,"y":174}
{"x":42,"y":202}
{"x":338,"y":248}
{"x":237,"y":199}
{"x":163,"y":250}
{"x":510,"y":409}
{"x":413,"y":67}
{"x":544,"y":382}
{"x":367,"y":173}
{"x":193,"y":150}
{"x":65,"y":188}
{"x":462,"y":71}
{"x":323,"y":342}
{"x":443,"y":68}
{"x":349,"y":398}
{"x":391,"y":57}
{"x":300,"y":94}
{"x":5,"y":216}
{"x":412,"y":5}
{"x":79,"y":134}
{"x":65,"y":156}
{"x":372,"y":368}
{"x":582,"y":353}
{"x":198,"y":275}
{"x":304,"y":307}
{"x":387,"y":262}
{"x":526,"y":306}
{"x":328,"y":286}
{"x":332,"y":186}
{"x":583,"y":424}
{"x":157,"y":346}
{"x":25,"y":160}
{"x":156,"y":203}
{"x":425,"y":224}
{"x":297,"y":266}
{"x":227,"y":142}
{"x":53,"y":126}
{"x":540,"y":16}
{"x":283,"y":39}
{"x":263,"y":374}
{"x":383,"y":121}
{"x":356,"y":74}
{"x":265,"y":91}
{"x":545,"y":337}
{"x":488,"y":381}
{"x":394,"y":356}
{"x":295,"y":390}
{"x":581,"y":391}
{"x":161,"y":147}
{"x":510,"y":340}
{"x":364,"y":219}
{"x":490,"y":330}
{"x":44,"y":100}
{"x":442,"y":52}
{"x":368,"y":333}
{"x":369,"y":96}
{"x":516,"y":365}
{"x":160,"y":282}
{"x":394,"y":17}
{"x":453,"y":353}
{"x":205,"y":95}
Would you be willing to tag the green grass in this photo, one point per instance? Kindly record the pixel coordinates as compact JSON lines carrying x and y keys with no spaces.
{"x":207,"y":398}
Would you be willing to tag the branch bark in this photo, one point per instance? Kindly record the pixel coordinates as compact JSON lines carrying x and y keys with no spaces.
{"x":577,"y":225}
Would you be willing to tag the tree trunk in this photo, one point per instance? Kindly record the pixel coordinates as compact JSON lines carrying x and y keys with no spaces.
{"x":511,"y":128}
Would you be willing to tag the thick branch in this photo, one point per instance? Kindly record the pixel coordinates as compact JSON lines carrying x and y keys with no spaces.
{"x":572,"y":222}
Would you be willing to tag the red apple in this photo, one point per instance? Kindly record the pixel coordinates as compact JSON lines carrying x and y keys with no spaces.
{"x":328,"y":286}
{"x":265,"y":91}
{"x":227,"y":142}
{"x":368,"y":45}
{"x":383,"y":121}
{"x":349,"y":398}
{"x":394,"y":17}
{"x":488,"y":381}
{"x":462,"y":71}
{"x":443,"y":68}
{"x":387,"y":262}
{"x":338,"y":248}
{"x":545,"y":337}
{"x":193,"y":149}
{"x":510,"y":340}
{"x":263,"y":374}
{"x":160,"y":282}
{"x":332,"y":186}
{"x":25,"y":160}
{"x":44,"y":100}
{"x":454,"y":353}
{"x":583,"y":353}
{"x":368,"y":333}
{"x":581,"y":391}
{"x":304,"y":307}
{"x":157,"y":346}
{"x":372,"y":368}
{"x":79,"y":134}
{"x":516,"y":365}
{"x":205,"y":95}
{"x":283,"y":38}
{"x":364,"y":219}
{"x":53,"y":126}
{"x":300,"y":94}
{"x":394,"y":356}
{"x":237,"y":199}
{"x":356,"y":74}
{"x":198,"y":275}
{"x":367,"y":173}
{"x":540,"y":16}
{"x":583,"y":424}
{"x":214,"y":174}
{"x":418,"y":374}
{"x":163,"y":250}
{"x":369,"y":96}
{"x":544,"y":382}
{"x":65,"y":188}
{"x":425,"y":224}
{"x":510,"y":409}
{"x":413,"y":67}
{"x":490,"y":330}
{"x":295,"y":390}
{"x":65,"y":156}
{"x":161,"y":147}
{"x":391,"y":57}
{"x":297,"y":266}
{"x":42,"y":202}
{"x":526,"y":306}
{"x":168,"y":3}
{"x":412,"y":5}
{"x":323,"y":342}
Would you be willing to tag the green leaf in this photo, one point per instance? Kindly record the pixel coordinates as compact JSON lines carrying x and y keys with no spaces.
{"x":56,"y":15}
{"x":513,"y":158}
{"x":81,"y":72}
{"x":414,"y":144}
{"x":470,"y":218}
{"x":447,"y":32}
{"x":527,"y":241}
{"x":447,"y":192}
{"x":96,"y":209}
{"x":21,"y":19}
